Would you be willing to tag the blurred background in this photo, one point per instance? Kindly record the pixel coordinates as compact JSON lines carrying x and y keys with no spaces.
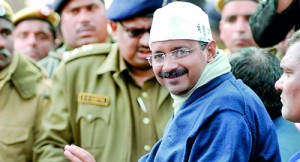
{"x":19,"y":4}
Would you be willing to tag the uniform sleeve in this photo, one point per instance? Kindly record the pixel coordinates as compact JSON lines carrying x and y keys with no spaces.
{"x":56,"y":127}
{"x":44,"y":103}
{"x":268,"y":27}
{"x":227,"y":136}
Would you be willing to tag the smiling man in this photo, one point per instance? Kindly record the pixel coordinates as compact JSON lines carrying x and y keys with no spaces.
{"x":216,"y":117}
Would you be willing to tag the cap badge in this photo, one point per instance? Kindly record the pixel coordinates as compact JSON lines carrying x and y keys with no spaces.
{"x":45,"y":11}
{"x":2,"y":11}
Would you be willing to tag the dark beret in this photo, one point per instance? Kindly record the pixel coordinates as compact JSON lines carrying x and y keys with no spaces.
{"x":213,"y":14}
{"x":126,"y":9}
{"x":59,"y":5}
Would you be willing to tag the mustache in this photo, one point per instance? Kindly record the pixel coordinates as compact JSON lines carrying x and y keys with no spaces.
{"x":143,"y":48}
{"x":173,"y":74}
{"x":80,"y":27}
{"x":5,"y":52}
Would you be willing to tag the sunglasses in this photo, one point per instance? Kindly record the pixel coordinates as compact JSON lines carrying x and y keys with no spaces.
{"x":135,"y":33}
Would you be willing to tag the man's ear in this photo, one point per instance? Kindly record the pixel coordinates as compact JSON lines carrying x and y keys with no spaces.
{"x":211,"y":51}
{"x":114,"y":26}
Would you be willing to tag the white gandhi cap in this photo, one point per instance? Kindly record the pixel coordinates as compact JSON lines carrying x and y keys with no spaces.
{"x":180,"y":20}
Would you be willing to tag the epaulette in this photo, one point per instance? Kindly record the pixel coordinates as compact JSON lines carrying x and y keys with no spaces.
{"x":87,"y":50}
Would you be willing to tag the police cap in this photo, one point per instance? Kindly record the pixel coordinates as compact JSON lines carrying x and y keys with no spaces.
{"x":43,"y":13}
{"x":126,"y":9}
{"x":5,"y":10}
{"x":221,"y":3}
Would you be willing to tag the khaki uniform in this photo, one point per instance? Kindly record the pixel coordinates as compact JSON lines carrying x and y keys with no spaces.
{"x":97,"y":106}
{"x":51,"y":62}
{"x":24,"y":98}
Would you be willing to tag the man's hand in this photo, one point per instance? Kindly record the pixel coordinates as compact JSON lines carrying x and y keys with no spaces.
{"x":77,"y":154}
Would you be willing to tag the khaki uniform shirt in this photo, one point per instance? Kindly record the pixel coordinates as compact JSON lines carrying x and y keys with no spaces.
{"x":24,"y":98}
{"x":51,"y":62}
{"x":97,"y":106}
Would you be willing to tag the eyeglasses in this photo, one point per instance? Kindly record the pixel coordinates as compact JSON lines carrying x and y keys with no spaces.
{"x":134,"y":33}
{"x":160,"y":58}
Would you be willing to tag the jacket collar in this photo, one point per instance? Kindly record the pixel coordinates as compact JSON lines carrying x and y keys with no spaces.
{"x":25,"y":76}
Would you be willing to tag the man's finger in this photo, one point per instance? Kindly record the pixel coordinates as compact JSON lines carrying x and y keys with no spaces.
{"x":71,"y":157}
{"x":79,"y":153}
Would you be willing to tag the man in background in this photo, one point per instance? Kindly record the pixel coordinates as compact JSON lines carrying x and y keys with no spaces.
{"x":259,"y":69}
{"x":35,"y":31}
{"x":83,"y":22}
{"x":235,"y":30}
{"x":24,"y":96}
{"x":289,"y":84}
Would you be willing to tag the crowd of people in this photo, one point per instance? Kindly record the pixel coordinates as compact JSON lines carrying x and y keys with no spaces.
{"x":147,"y":81}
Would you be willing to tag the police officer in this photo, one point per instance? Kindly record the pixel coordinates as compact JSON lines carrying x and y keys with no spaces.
{"x":23,"y":96}
{"x":105,"y":96}
{"x":82,"y":22}
{"x":235,"y":30}
{"x":35,"y":31}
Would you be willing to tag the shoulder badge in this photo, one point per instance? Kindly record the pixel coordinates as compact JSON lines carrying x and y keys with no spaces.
{"x":90,"y":49}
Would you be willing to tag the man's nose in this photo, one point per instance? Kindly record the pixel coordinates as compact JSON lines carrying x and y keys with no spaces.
{"x":279,"y":84}
{"x":169,"y":63}
{"x":2,"y":42}
{"x":242,"y":25}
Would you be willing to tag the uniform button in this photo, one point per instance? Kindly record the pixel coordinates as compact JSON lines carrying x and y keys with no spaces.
{"x":74,"y":52}
{"x":147,"y":148}
{"x":146,"y":120}
{"x":89,"y":117}
{"x":66,"y":55}
{"x":145,"y":94}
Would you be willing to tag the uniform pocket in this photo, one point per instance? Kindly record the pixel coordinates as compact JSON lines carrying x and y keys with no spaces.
{"x":13,"y":135}
{"x":94,"y":125}
{"x":15,"y":143}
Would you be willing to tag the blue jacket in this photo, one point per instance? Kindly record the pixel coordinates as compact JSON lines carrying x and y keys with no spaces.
{"x":221,"y":121}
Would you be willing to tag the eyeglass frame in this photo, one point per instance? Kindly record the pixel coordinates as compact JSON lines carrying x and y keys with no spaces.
{"x":130,"y":31}
{"x":185,"y":53}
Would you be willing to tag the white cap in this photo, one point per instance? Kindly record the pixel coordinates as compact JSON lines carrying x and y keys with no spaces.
{"x":180,"y":20}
